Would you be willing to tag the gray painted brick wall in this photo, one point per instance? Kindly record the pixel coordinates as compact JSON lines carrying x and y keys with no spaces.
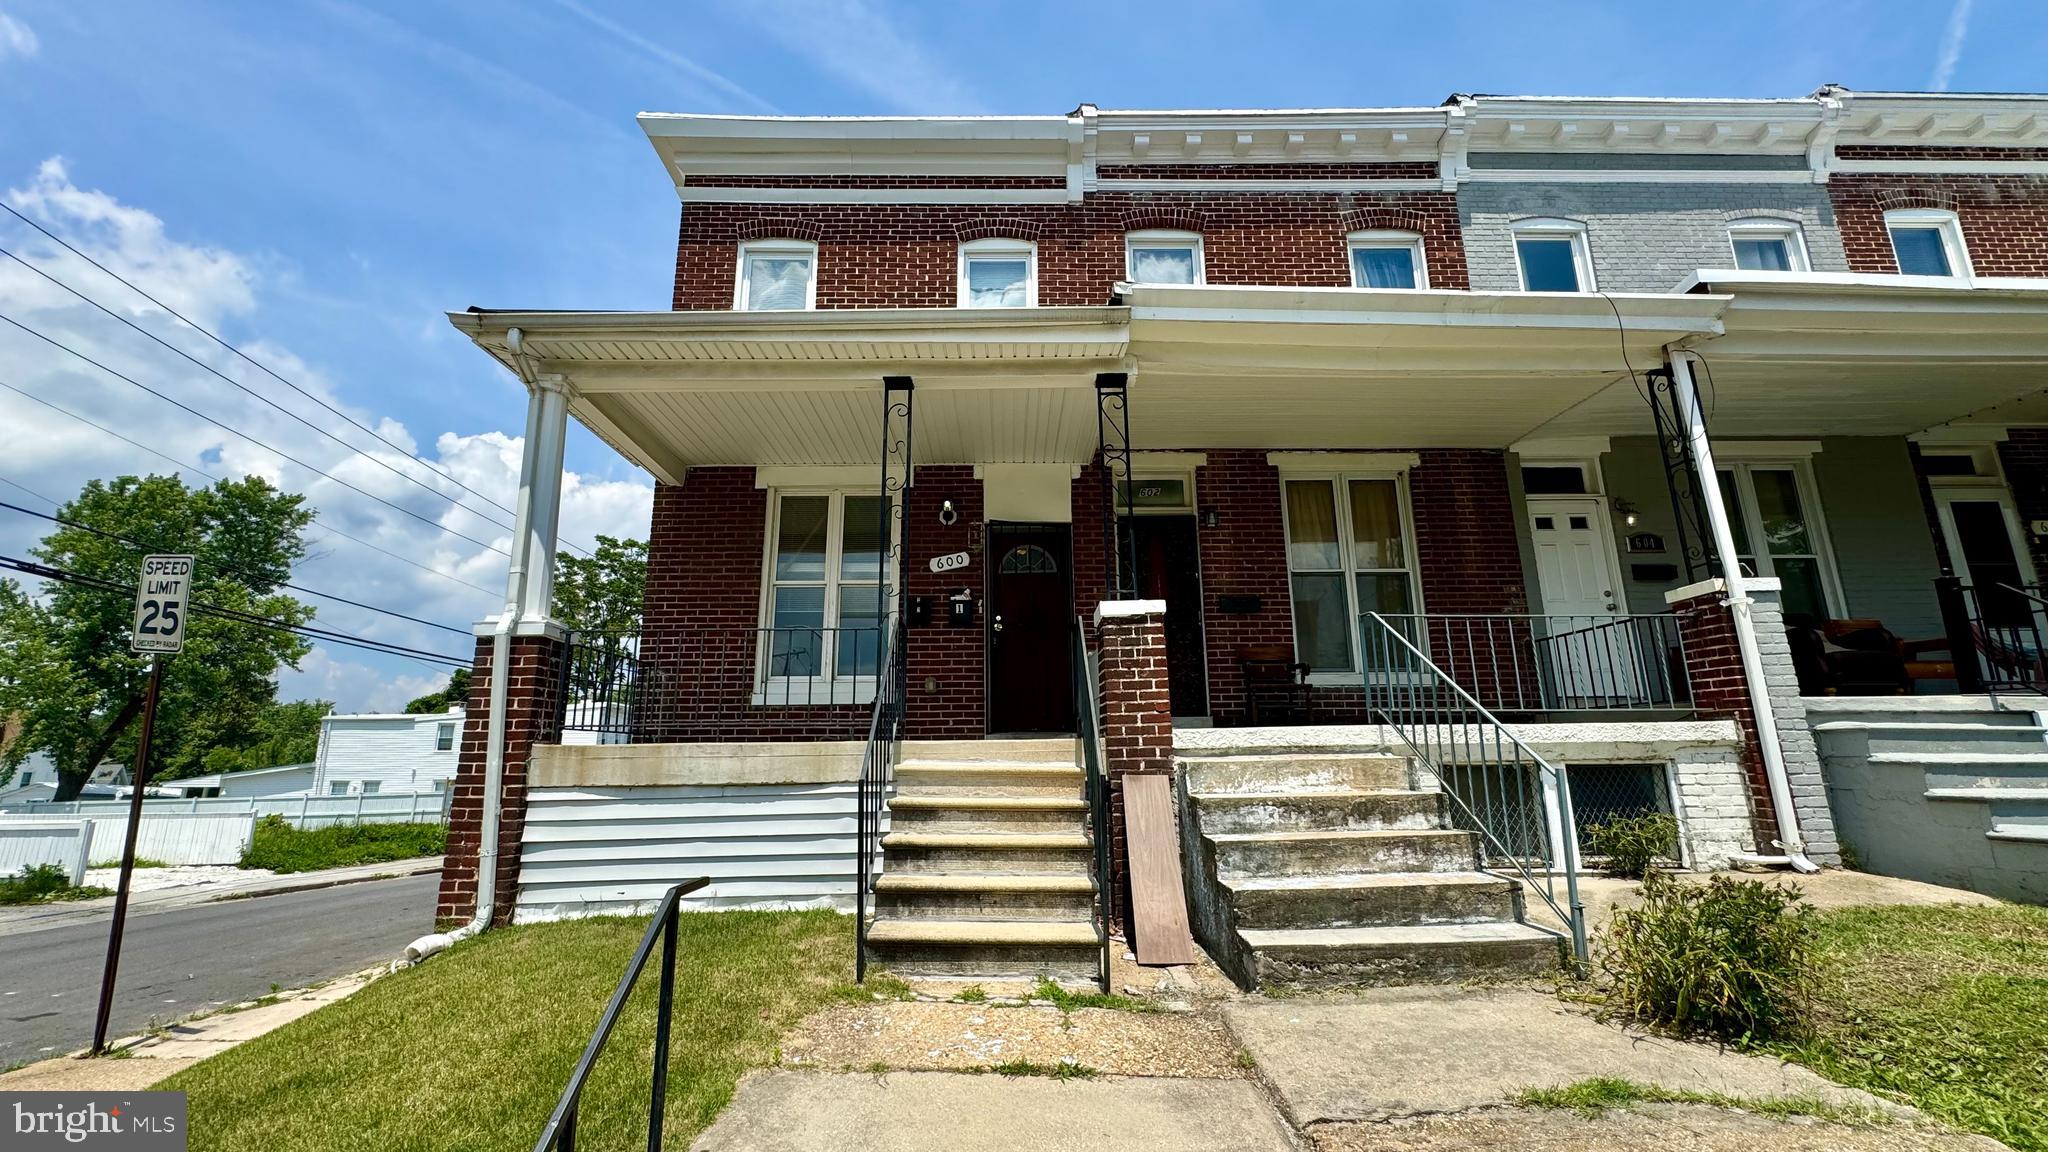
{"x":1795,"y":736}
{"x":1642,"y":237}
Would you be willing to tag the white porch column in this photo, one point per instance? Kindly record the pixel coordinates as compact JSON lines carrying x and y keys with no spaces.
{"x":1693,"y":423}
{"x":531,"y":586}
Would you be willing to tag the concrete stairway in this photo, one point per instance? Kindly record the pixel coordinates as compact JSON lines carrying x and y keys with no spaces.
{"x":1952,"y":790}
{"x":986,"y":870}
{"x":1323,"y":870}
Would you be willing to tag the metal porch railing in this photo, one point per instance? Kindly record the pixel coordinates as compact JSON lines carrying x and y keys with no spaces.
{"x":877,"y":774}
{"x":1088,"y":755}
{"x":1495,"y":782}
{"x":1524,"y":663}
{"x":1998,"y":635}
{"x":559,"y":1134}
{"x":720,"y":683}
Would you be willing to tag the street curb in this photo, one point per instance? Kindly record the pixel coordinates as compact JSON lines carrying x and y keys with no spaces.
{"x":316,"y":885}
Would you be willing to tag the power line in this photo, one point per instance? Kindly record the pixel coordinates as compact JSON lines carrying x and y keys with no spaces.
{"x":253,"y":362}
{"x":149,"y":548}
{"x":177,"y":463}
{"x":45,"y":572}
{"x":205,"y":367}
{"x":225,"y":427}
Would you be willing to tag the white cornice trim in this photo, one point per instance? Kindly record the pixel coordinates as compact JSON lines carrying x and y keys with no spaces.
{"x":1388,"y":463}
{"x":1563,"y":448}
{"x":1980,"y":167}
{"x":1123,"y":184}
{"x":1636,"y":176}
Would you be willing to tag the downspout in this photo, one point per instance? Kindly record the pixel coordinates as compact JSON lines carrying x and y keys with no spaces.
{"x":494,"y":731}
{"x":1739,"y":605}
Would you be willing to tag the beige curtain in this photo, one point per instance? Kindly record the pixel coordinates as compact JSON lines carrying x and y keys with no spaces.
{"x":1311,"y":526}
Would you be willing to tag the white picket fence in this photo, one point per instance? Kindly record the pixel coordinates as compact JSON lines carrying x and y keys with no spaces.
{"x":171,"y":837}
{"x":299,"y":811}
{"x":30,"y":843}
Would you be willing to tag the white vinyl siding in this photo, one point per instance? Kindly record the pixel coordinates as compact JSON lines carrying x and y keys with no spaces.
{"x":385,"y":753}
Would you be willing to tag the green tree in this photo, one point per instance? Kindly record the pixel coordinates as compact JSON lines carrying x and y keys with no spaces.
{"x":284,"y":733}
{"x":65,"y":668}
{"x":602,"y":592}
{"x":455,"y":695}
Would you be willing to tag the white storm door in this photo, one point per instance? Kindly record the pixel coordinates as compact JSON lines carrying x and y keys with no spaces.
{"x":1589,"y":653}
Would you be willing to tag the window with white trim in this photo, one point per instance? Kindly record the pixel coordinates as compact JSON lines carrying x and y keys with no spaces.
{"x":1387,"y":258}
{"x":998,"y":273}
{"x":1927,"y":242}
{"x":821,"y":617}
{"x":1163,"y":256}
{"x":1349,"y":551}
{"x":1775,"y":503}
{"x":1551,"y":256}
{"x":777,"y":276}
{"x":444,"y":738}
{"x":1767,"y":244}
{"x":337,"y":788}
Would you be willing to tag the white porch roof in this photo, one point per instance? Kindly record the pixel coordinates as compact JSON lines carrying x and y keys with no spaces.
{"x":1211,"y":367}
{"x":1853,"y":354}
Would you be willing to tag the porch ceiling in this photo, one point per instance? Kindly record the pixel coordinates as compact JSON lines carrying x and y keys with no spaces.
{"x":1852,"y":355}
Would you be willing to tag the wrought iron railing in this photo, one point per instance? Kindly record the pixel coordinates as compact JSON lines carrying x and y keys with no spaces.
{"x":560,"y":1133}
{"x":720,"y":683}
{"x":1997,"y":634}
{"x":1495,"y":783}
{"x":1088,"y":755}
{"x":877,"y":776}
{"x":1523,"y":663}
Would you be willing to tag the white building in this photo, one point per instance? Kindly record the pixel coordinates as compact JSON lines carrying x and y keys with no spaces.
{"x":372,"y":754}
{"x":256,"y":783}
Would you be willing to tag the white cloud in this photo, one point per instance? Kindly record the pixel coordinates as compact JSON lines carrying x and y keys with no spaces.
{"x":1951,"y":46}
{"x":856,"y":41}
{"x":55,"y":455}
{"x":16,"y":38}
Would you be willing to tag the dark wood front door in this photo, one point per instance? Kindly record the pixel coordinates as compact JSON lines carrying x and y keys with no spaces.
{"x":1170,"y":569}
{"x":1030,"y":628}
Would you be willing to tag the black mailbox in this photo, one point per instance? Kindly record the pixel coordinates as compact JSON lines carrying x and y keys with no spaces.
{"x":960,"y":608}
{"x":920,"y":611}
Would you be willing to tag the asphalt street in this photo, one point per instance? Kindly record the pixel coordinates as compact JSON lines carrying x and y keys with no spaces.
{"x":187,"y":959}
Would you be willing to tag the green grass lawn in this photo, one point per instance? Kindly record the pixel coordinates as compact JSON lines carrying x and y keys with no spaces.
{"x":1943,"y":1008}
{"x":472,"y":1048}
{"x":280,"y":847}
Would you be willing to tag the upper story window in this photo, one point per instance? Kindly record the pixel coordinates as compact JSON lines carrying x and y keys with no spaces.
{"x":1927,"y":242}
{"x":1552,"y":256}
{"x":444,"y":738}
{"x":998,"y":273}
{"x":1387,"y":259}
{"x":1764,"y":244}
{"x":1163,"y":257}
{"x":776,"y":276}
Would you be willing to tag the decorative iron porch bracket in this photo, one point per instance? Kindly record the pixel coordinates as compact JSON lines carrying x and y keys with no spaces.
{"x":1688,"y":511}
{"x":1113,"y":443}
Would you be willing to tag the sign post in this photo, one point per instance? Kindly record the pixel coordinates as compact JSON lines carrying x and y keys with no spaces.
{"x":161,"y":599}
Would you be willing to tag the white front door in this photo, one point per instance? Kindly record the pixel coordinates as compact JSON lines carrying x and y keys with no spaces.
{"x":1591,"y":656}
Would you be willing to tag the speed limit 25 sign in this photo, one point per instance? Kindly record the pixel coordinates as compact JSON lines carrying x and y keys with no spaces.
{"x":160,"y":602}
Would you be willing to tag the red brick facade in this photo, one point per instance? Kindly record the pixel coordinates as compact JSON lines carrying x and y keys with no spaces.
{"x":2004,"y":217}
{"x":906,"y":255}
{"x":1137,"y":723}
{"x":533,"y":710}
{"x":1713,"y":665}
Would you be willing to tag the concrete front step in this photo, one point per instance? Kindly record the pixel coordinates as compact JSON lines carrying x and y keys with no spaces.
{"x":971,"y":812}
{"x":1315,"y":958}
{"x":988,"y":778}
{"x":987,"y":949}
{"x":1348,"y":809}
{"x":1291,"y":772}
{"x":1272,"y":854}
{"x":985,"y":896}
{"x":1857,"y":737}
{"x":1974,"y":769}
{"x":1383,"y":900}
{"x":987,"y":852}
{"x":1920,"y":710}
{"x":1059,"y":750}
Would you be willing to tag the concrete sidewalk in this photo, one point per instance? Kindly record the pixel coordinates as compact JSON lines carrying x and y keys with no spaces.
{"x":38,"y":917}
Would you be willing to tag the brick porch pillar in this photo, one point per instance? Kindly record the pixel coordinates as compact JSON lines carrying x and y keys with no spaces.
{"x":1713,"y":665}
{"x":1137,"y":715}
{"x":533,"y":715}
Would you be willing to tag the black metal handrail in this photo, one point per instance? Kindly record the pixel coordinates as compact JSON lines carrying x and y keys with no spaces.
{"x":1515,"y":800}
{"x":560,"y":1132}
{"x":877,"y":771}
{"x":1088,"y":756}
{"x":1997,"y":635}
{"x":1525,"y":662}
{"x":705,"y":683}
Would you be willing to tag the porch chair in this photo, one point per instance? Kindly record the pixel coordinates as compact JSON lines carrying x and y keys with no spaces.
{"x":1276,"y":687}
{"x":1861,"y":657}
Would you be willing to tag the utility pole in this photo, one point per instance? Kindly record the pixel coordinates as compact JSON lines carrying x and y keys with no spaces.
{"x":161,"y":598}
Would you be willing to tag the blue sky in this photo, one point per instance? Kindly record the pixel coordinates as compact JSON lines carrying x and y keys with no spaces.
{"x":323,"y":179}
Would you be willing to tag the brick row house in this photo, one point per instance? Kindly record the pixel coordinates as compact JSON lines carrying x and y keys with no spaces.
{"x":1643,"y":441}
